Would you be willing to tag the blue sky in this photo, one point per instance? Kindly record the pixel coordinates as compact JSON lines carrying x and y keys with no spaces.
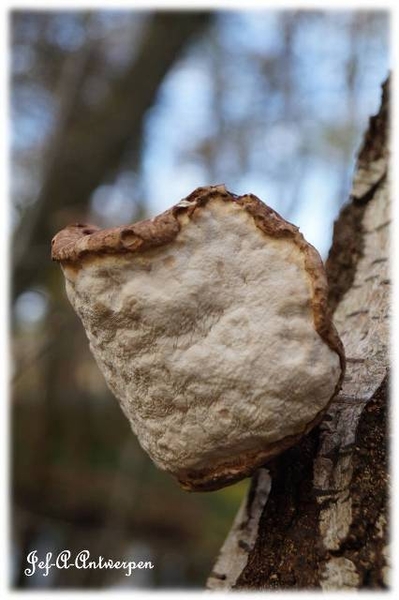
{"x":184,"y":113}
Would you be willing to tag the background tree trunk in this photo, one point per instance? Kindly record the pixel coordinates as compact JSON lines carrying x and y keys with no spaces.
{"x":89,"y":143}
{"x":317,"y":516}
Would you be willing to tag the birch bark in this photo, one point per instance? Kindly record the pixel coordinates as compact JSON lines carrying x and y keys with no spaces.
{"x":316,"y":517}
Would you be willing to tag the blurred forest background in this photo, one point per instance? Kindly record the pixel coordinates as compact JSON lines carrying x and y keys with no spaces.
{"x":115,"y":116}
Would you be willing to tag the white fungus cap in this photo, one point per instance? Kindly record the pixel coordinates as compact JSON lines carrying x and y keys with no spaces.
{"x":210,"y":325}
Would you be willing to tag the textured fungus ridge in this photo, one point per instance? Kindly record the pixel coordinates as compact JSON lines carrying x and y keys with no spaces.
{"x":210,"y":325}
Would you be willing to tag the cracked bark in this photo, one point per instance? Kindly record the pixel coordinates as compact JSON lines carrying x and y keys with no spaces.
{"x":317,"y":516}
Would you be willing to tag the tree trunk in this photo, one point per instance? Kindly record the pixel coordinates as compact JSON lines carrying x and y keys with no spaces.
{"x":90,"y":142}
{"x":316,"y":517}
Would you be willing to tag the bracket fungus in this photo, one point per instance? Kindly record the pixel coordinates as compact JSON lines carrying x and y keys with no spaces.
{"x":211,"y":327}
